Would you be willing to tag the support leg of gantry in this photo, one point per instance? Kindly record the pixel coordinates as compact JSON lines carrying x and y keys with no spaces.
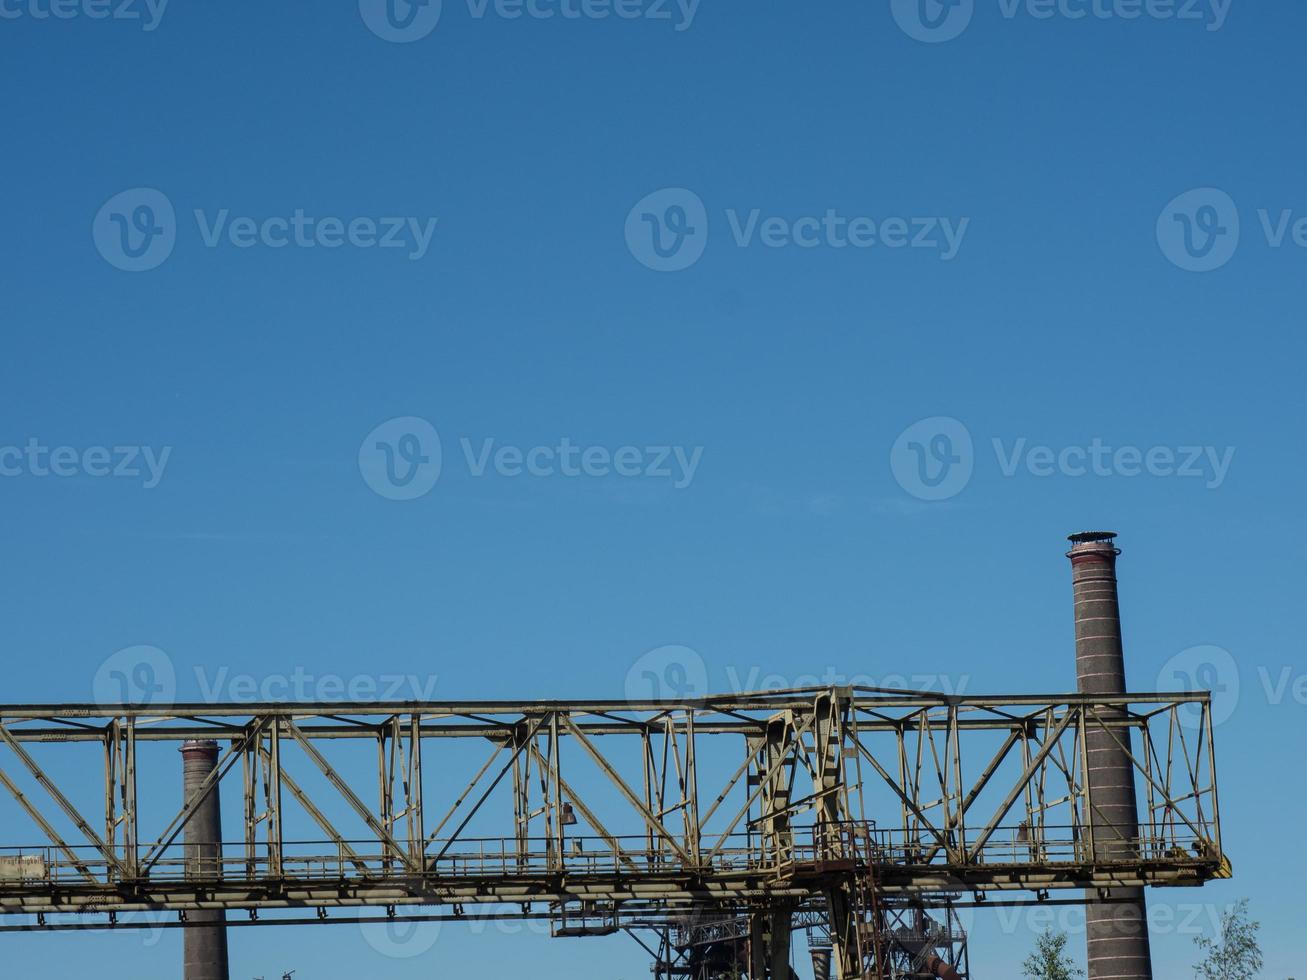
{"x":758,"y":923}
{"x":778,"y":946}
{"x":844,"y":935}
{"x":769,"y":942}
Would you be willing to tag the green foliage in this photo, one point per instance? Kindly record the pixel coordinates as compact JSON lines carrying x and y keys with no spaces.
{"x":1049,"y":960}
{"x":1235,"y":954}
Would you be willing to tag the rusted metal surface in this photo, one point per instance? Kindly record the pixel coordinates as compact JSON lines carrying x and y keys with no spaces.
{"x":797,"y":797}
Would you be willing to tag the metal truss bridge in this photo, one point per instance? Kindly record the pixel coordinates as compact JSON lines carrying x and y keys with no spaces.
{"x":835,"y":808}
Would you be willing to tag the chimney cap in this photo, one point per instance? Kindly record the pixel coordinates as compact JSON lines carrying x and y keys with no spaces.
{"x":199,"y":748}
{"x":1090,"y":537}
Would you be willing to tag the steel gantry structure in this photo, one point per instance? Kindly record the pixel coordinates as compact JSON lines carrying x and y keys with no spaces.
{"x":842,"y":809}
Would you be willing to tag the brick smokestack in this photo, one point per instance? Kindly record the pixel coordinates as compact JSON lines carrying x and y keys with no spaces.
{"x":204,"y":941}
{"x":1117,"y":932}
{"x":821,"y":956}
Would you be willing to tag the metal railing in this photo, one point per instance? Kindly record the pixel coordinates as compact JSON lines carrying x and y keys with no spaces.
{"x":507,"y":857}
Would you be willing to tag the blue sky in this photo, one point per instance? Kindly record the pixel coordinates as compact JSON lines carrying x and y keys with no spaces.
{"x":864,"y":224}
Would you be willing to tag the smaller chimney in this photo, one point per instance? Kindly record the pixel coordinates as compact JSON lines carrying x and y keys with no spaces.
{"x":821,"y":956}
{"x":204,"y":943}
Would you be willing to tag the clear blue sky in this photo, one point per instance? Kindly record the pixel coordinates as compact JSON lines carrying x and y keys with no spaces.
{"x":1068,"y":311}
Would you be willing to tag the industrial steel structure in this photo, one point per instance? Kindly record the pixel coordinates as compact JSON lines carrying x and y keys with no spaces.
{"x":762,"y":805}
{"x":711,"y":828}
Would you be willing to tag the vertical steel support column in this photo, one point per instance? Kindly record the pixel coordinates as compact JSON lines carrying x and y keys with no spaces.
{"x":1117,"y":934}
{"x":131,"y":855}
{"x":776,"y":769}
{"x":781,"y":915}
{"x":769,"y":929}
{"x":831,"y":715}
{"x":416,"y":817}
{"x":769,"y":942}
{"x":844,"y":917}
{"x":758,"y":945}
{"x":272,"y":787}
{"x":844,"y":925}
{"x":205,"y":940}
